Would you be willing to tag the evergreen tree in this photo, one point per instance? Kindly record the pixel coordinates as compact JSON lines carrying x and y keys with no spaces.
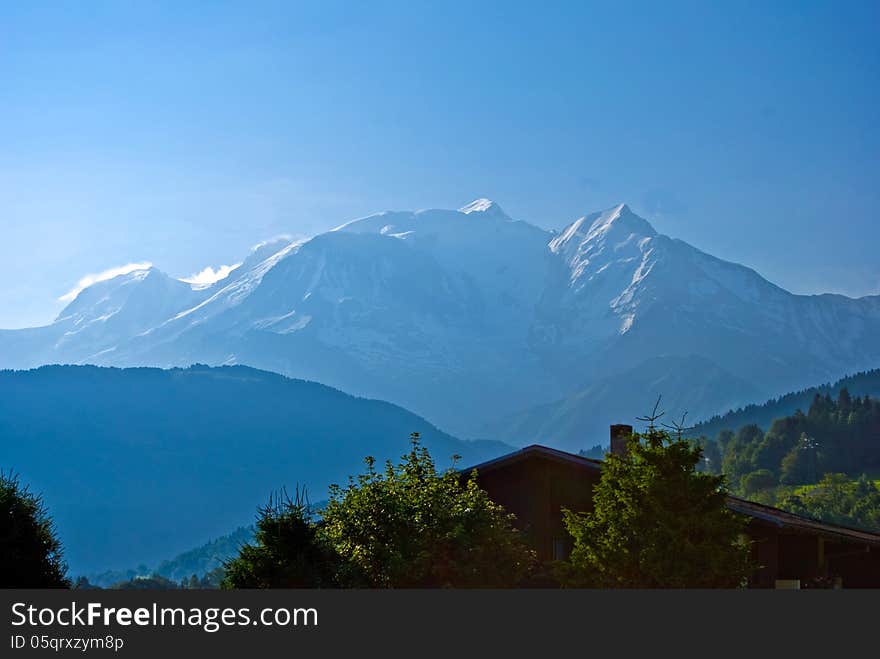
{"x":657,"y":523}
{"x":30,"y":552}
{"x":288,"y":550}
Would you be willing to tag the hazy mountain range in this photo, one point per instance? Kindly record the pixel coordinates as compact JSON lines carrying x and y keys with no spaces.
{"x":487,"y":326}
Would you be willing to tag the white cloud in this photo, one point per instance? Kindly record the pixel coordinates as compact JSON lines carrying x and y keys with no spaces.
{"x":209,"y":275}
{"x":89,"y":280}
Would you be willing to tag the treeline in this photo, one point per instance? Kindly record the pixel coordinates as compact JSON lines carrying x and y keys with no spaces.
{"x":865,"y":383}
{"x":833,"y":436}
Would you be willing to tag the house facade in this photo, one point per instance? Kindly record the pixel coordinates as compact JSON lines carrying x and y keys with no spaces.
{"x":536,"y":482}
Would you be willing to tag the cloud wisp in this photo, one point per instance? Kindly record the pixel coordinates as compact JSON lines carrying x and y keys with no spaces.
{"x":209,"y":275}
{"x":90,"y":280}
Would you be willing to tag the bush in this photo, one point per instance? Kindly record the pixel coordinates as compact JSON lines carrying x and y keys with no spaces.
{"x":410,"y":526}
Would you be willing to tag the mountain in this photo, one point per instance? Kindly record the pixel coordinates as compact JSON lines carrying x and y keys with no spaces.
{"x":139,"y":464}
{"x":860,"y":384}
{"x":471,"y":318}
{"x":689,"y":385}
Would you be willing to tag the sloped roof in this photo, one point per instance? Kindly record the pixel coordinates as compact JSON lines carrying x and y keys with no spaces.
{"x":535,"y":450}
{"x":785,"y":519}
{"x":768,"y":514}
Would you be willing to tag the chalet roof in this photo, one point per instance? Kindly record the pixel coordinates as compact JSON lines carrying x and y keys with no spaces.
{"x":757,"y":511}
{"x":785,"y":519}
{"x":535,"y":450}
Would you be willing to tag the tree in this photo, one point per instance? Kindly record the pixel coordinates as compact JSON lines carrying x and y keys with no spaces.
{"x":739,"y":453}
{"x":410,"y":526}
{"x":758,"y":481}
{"x":657,"y":523}
{"x":289,"y":550}
{"x":30,"y":552}
{"x":800,"y":464}
{"x":711,"y":456}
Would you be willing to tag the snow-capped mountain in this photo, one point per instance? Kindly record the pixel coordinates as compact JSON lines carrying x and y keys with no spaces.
{"x":468,"y":317}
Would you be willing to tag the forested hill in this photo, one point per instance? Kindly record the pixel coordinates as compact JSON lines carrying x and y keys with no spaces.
{"x":859,"y":384}
{"x":823,"y":462}
{"x":139,"y":464}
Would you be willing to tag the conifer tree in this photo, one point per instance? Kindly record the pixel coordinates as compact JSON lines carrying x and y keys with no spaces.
{"x":30,"y":552}
{"x":657,"y":523}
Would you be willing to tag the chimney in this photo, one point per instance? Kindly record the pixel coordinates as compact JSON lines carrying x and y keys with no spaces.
{"x":620,"y":434}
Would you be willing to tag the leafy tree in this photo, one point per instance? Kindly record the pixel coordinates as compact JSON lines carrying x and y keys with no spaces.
{"x":800,"y":464}
{"x":657,"y":523}
{"x":770,"y":451}
{"x":724,"y":438}
{"x":758,"y":481}
{"x":30,"y":552}
{"x":739,"y":453}
{"x":289,"y":550}
{"x":410,"y":526}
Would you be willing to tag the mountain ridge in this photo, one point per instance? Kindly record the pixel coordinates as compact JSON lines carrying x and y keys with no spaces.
{"x":469,"y":316}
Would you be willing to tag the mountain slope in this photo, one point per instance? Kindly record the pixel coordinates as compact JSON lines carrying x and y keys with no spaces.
{"x":690,"y":384}
{"x":468,"y":317}
{"x":137,"y":464}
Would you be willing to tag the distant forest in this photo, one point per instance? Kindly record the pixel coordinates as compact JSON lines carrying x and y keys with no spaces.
{"x":823,"y":462}
{"x":202,"y":563}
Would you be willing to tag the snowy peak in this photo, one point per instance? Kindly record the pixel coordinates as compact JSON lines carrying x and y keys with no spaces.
{"x":621,"y":218}
{"x":101,"y":290}
{"x":617,"y":223}
{"x":606,"y":252}
{"x":483,"y":206}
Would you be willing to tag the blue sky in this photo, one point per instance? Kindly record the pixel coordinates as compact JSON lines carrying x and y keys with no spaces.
{"x":183,"y":133}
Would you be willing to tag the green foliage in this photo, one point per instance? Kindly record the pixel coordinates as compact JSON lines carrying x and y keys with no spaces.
{"x":758,"y":481}
{"x":410,"y":526}
{"x":289,"y":550}
{"x":832,"y":444}
{"x":30,"y":552}
{"x":739,"y":452}
{"x":657,"y":523}
{"x":800,"y":464}
{"x":838,"y":499}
